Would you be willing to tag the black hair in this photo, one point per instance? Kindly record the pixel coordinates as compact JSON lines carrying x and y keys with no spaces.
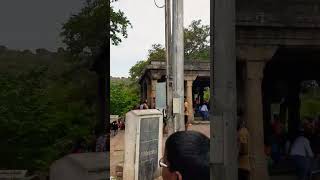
{"x":188,"y":152}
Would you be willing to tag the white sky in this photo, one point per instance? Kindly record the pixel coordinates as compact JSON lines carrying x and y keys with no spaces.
{"x":148,"y":28}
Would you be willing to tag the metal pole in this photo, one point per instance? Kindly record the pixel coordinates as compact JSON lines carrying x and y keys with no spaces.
{"x":168,"y":65}
{"x":178,"y":63}
{"x":223,"y":155}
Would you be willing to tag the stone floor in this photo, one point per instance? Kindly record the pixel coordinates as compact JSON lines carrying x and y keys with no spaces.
{"x":117,"y":145}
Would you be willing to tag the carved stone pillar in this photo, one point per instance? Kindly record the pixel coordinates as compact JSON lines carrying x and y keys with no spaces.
{"x":189,"y":98}
{"x":254,"y":117}
{"x":153,"y":94}
{"x":293,"y":108}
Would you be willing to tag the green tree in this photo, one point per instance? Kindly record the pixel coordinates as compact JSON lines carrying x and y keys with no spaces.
{"x":85,"y":35}
{"x":86,"y":32}
{"x":45,"y":103}
{"x":196,"y":41}
{"x":123,"y":98}
{"x":157,"y":53}
{"x":137,"y":70}
{"x":119,"y":24}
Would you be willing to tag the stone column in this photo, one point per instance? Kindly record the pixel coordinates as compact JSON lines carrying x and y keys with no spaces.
{"x":254,"y":117}
{"x":267,"y":117}
{"x":149,"y":89}
{"x":201,"y":95}
{"x":293,"y":108}
{"x":283,"y":112}
{"x":189,"y":98}
{"x":153,"y":94}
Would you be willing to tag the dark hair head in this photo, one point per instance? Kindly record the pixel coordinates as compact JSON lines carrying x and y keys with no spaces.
{"x":188,"y":153}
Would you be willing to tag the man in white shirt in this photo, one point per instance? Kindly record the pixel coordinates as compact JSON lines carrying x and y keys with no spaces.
{"x":204,"y":111}
{"x":302,"y":154}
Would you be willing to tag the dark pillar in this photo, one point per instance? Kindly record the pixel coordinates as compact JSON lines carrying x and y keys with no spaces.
{"x":293,"y":109}
{"x":283,"y":112}
{"x":267,"y":118}
{"x":201,"y":95}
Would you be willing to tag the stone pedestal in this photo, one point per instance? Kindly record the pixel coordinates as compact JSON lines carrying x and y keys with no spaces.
{"x":254,"y":117}
{"x":81,"y":166}
{"x":143,"y":144}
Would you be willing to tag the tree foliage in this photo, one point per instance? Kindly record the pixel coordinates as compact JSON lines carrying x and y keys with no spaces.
{"x":123,"y":98}
{"x":137,"y":70}
{"x":156,"y":53}
{"x":84,"y":33}
{"x":48,"y":101}
{"x":196,"y":41}
{"x":45,"y":104}
{"x":119,"y":24}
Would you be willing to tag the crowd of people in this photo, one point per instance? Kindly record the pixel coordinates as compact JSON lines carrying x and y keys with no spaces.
{"x":202,"y":108}
{"x":301,"y":148}
{"x":98,"y":143}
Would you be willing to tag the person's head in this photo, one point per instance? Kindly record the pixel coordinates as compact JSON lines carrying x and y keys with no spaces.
{"x":185,"y":99}
{"x":146,"y":101}
{"x":186,"y":156}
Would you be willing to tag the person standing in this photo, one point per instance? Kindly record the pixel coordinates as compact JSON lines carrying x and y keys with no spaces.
{"x":204,"y":111}
{"x":243,"y":158}
{"x":301,"y":155}
{"x":186,"y":113}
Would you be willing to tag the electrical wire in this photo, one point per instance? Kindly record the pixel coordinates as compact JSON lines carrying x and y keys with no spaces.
{"x":155,"y":3}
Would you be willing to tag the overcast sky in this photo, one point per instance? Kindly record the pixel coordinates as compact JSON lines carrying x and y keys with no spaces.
{"x":32,"y":24}
{"x":148,"y":28}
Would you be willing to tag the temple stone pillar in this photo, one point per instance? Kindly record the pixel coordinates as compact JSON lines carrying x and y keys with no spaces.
{"x":283,"y":112}
{"x":153,"y":94}
{"x":267,"y":117}
{"x":293,"y":109}
{"x":201,"y":95}
{"x":149,"y":90}
{"x":189,"y":98}
{"x":254,"y":117}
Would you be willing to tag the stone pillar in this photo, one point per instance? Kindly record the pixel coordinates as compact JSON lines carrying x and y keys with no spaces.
{"x":189,"y":98}
{"x":201,"y":95}
{"x":267,"y":118}
{"x":254,"y":117}
{"x":141,"y":91}
{"x":283,"y":112}
{"x":149,"y":92}
{"x":293,"y":109}
{"x":153,"y":94}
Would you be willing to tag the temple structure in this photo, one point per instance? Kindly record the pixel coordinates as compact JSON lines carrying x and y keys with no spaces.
{"x":196,"y":77}
{"x":278,"y":47}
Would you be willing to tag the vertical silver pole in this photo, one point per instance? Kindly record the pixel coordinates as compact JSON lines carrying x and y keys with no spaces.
{"x":178,"y":61}
{"x":168,"y":65}
{"x":223,"y":82}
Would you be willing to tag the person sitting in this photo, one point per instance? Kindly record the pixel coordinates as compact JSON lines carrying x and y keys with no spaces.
{"x":144,"y":104}
{"x":186,"y":157}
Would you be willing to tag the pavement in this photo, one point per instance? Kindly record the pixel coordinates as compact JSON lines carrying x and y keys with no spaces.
{"x":117,"y":145}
